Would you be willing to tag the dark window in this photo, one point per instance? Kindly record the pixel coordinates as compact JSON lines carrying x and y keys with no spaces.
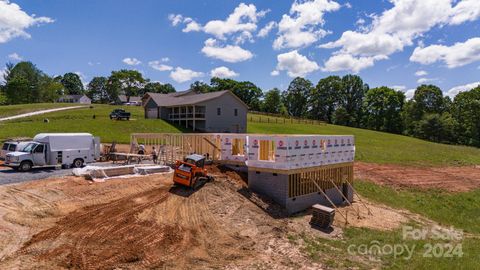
{"x":39,"y":149}
{"x":12,"y":147}
{"x":219,"y":111}
{"x":5,"y":146}
{"x":235,"y":112}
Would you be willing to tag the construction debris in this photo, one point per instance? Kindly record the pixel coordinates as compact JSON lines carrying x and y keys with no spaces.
{"x":146,"y":170}
{"x":322,"y":216}
{"x":106,"y":172}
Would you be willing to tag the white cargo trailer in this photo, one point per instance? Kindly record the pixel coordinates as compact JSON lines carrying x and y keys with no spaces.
{"x":56,"y":149}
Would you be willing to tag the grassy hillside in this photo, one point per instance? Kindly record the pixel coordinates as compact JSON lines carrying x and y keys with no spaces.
{"x":11,"y":110}
{"x":81,"y":120}
{"x":371,"y":146}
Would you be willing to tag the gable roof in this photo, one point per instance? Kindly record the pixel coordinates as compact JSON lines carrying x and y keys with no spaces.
{"x":123,"y":98}
{"x":169,"y":100}
{"x":72,"y":97}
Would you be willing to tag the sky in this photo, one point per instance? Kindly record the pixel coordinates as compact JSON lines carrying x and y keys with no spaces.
{"x":396,"y":43}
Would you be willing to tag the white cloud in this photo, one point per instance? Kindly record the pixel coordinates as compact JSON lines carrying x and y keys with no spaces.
{"x":461,"y":88}
{"x":131,"y":61}
{"x":228,"y":53}
{"x":90,"y":63}
{"x":421,"y":73}
{"x":457,"y":55}
{"x":165,"y":59}
{"x":303,"y":25}
{"x":398,"y":87}
{"x":426,"y":80}
{"x":175,"y":19}
{"x":266,"y":29}
{"x":223,"y":72}
{"x":181,"y":75}
{"x":157,"y":65}
{"x":410,"y":93}
{"x":398,"y":27}
{"x":348,"y":62}
{"x":3,"y":72}
{"x":15,"y":57}
{"x":242,"y":22}
{"x":274,"y":73}
{"x":192,"y":26}
{"x":244,"y":18}
{"x":14,"y":21}
{"x":466,"y":10}
{"x":295,"y":64}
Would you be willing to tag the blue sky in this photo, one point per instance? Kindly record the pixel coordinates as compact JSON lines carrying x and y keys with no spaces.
{"x":398,"y":43}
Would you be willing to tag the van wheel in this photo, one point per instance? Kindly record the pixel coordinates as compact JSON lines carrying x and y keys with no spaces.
{"x":25,"y":166}
{"x":78,"y":163}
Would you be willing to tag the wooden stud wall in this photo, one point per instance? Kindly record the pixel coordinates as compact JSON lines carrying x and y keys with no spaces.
{"x":302,"y":183}
{"x":175,"y":146}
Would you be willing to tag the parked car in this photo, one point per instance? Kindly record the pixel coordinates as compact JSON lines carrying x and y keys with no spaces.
{"x":53,"y":149}
{"x":12,"y":146}
{"x":120,"y":114}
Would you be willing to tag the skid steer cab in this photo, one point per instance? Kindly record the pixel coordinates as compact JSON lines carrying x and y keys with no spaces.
{"x":190,"y":171}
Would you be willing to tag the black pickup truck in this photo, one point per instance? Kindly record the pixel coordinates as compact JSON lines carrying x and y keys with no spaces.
{"x":120,"y":114}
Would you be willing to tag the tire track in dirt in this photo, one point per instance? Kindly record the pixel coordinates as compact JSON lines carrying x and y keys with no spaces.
{"x":107,"y":235}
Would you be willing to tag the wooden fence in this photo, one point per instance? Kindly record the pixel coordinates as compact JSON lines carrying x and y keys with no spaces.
{"x":262,"y":117}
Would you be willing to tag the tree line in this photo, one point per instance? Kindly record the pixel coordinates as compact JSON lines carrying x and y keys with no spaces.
{"x":25,"y":83}
{"x":337,"y":100}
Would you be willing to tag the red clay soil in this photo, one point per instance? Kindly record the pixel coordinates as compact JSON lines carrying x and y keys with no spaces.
{"x":455,"y":179}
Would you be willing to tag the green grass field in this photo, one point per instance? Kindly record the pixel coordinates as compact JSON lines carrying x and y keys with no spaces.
{"x":10,"y":110}
{"x":372,"y":146}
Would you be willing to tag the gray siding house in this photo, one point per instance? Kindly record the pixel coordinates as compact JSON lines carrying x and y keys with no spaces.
{"x":220,"y":111}
{"x":82,"y":99}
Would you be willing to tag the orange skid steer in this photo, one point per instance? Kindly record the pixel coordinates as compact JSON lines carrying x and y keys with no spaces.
{"x":190,"y":171}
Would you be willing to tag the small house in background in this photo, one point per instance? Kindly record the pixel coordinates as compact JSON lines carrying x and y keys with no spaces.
{"x":220,"y":111}
{"x":135,"y":101}
{"x":81,"y":99}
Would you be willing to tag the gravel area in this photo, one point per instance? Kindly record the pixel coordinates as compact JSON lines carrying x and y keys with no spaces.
{"x":10,"y":176}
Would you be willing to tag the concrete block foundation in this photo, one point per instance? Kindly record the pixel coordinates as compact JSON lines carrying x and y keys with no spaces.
{"x":276,"y":186}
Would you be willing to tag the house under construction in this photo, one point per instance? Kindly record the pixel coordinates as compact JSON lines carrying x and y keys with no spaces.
{"x":296,"y":171}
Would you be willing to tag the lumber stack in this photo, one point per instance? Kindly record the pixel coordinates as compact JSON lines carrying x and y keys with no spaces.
{"x":322,"y":216}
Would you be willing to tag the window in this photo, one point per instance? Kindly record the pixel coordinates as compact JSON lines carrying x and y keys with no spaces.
{"x":5,"y":146}
{"x":12,"y":147}
{"x":219,"y":111}
{"x":39,"y":148}
{"x":235,"y":112}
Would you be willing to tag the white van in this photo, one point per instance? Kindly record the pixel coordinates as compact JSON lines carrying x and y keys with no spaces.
{"x":56,"y":149}
{"x":12,"y":146}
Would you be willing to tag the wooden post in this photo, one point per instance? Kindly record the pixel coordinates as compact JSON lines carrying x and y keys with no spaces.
{"x":193,"y":118}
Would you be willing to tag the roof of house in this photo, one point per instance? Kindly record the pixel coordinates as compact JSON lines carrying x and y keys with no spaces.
{"x":169,"y":100}
{"x":123,"y":98}
{"x":72,"y":96}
